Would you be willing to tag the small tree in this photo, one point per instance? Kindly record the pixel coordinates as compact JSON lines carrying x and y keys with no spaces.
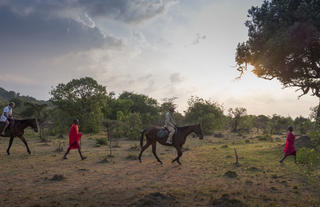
{"x":236,"y":114}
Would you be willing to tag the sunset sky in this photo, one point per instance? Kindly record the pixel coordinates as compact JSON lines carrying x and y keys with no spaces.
{"x":166,"y":48}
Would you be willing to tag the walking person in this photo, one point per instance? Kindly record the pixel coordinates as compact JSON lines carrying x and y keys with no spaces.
{"x":289,"y":147}
{"x":74,"y":139}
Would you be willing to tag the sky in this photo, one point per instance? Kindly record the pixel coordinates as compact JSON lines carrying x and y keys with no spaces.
{"x":160,"y":48}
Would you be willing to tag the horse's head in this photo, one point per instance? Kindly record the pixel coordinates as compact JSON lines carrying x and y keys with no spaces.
{"x":197,"y":130}
{"x":34,"y":125}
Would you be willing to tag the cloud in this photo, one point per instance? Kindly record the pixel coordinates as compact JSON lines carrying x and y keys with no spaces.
{"x":26,"y":30}
{"x":129,"y":11}
{"x":198,"y":38}
{"x":176,"y":78}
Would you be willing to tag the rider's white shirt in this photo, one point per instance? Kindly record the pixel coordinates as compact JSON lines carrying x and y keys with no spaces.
{"x":8,"y":110}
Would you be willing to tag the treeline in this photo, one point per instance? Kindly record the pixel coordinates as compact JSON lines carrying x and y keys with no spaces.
{"x":127,"y":114}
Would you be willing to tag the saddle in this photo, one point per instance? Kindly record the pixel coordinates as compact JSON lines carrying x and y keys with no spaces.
{"x":163,"y":132}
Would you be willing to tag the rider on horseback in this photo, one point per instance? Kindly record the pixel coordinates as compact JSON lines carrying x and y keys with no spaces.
{"x":7,"y":116}
{"x":170,"y":124}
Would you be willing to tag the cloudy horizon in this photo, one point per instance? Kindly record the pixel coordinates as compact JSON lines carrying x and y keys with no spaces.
{"x":161,"y":48}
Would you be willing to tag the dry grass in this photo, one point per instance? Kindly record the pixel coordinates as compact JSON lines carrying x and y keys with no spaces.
{"x":26,"y":180}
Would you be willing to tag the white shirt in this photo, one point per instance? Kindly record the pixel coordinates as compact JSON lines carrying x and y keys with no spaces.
{"x":169,"y":121}
{"x":8,"y":111}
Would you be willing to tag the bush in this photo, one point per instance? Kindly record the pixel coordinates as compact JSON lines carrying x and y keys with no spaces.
{"x":309,"y":158}
{"x":315,"y":138}
{"x":102,"y":141}
{"x":132,"y":124}
{"x":265,"y":137}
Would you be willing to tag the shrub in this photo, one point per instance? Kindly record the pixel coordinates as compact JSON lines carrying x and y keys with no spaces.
{"x":102,"y":141}
{"x":265,"y":137}
{"x":309,"y":158}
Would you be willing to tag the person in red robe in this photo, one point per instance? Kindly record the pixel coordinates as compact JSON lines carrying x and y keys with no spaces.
{"x":289,"y":147}
{"x":74,"y":139}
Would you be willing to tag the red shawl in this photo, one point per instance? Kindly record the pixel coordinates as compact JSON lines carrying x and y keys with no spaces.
{"x":74,"y":137}
{"x":289,"y":148}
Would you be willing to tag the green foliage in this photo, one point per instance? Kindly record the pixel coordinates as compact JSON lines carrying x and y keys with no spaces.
{"x":284,"y":44}
{"x":265,"y":137}
{"x":310,"y":158}
{"x":39,"y":111}
{"x":303,"y":125}
{"x":132,"y":124}
{"x":237,"y":114}
{"x":145,"y":106}
{"x":315,"y":138}
{"x":261,"y":122}
{"x":102,"y":141}
{"x":279,"y":124}
{"x":207,"y":113}
{"x":83,"y":99}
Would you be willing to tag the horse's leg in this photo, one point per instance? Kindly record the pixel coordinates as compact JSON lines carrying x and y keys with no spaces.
{"x":154,"y":151}
{"x":25,"y":143}
{"x":10,"y":143}
{"x":179,"y":151}
{"x":143,"y":149}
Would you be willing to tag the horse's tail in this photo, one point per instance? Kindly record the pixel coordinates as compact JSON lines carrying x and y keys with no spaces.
{"x":142,"y":136}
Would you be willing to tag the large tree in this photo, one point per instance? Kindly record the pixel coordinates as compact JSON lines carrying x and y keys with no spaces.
{"x":146,"y":106}
{"x":83,"y":99}
{"x":284,"y":44}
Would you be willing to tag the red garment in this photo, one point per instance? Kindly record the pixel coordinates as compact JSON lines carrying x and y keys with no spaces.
{"x":289,"y":148}
{"x":74,"y":137}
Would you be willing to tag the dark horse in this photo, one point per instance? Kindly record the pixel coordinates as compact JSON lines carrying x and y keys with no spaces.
{"x":18,"y":131}
{"x":179,"y":139}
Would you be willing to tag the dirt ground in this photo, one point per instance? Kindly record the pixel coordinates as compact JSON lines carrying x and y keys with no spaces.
{"x":207,"y":177}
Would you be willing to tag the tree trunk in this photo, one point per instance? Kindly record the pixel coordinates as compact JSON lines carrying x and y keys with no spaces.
{"x":318,"y":115}
{"x":236,"y":121}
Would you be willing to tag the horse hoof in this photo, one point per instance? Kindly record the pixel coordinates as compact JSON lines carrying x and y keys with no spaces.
{"x":29,"y":153}
{"x":8,"y":153}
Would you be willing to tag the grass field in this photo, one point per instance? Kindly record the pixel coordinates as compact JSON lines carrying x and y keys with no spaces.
{"x":207,"y":177}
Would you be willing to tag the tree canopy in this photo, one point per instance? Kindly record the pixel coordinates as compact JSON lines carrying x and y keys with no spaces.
{"x":284,"y":43}
{"x":82,"y":99}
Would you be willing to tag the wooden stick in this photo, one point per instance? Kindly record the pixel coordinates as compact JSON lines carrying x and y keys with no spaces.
{"x":237,"y":158}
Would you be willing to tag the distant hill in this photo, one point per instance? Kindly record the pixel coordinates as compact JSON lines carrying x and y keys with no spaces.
{"x":7,"y":96}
